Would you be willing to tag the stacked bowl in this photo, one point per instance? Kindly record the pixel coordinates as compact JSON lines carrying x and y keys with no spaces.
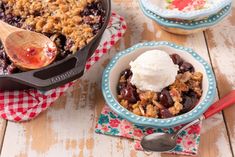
{"x":186,"y":16}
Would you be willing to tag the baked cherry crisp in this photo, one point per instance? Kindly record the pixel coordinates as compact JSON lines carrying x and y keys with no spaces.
{"x":71,"y":24}
{"x":178,"y":98}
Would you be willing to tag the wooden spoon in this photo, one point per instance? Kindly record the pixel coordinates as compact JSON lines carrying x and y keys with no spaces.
{"x":26,"y":49}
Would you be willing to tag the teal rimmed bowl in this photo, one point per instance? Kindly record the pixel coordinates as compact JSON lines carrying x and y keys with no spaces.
{"x":185,"y":27}
{"x":121,"y":61}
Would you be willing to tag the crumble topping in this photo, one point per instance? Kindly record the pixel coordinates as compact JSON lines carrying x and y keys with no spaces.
{"x":178,"y":98}
{"x":71,"y":24}
{"x":55,"y":16}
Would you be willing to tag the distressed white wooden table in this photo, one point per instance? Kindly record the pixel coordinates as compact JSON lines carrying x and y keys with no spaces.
{"x":67,"y":128}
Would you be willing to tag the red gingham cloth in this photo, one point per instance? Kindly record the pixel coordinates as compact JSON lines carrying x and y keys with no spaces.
{"x":27,"y":104}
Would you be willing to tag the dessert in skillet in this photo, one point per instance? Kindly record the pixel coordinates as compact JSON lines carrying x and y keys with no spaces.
{"x":70,"y":24}
{"x":159,"y":85}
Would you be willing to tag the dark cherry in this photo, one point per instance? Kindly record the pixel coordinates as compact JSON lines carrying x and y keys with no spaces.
{"x":165,"y":113}
{"x":177,"y":59}
{"x":129,"y":93}
{"x":100,"y":7}
{"x":96,"y":27}
{"x":61,"y":40}
{"x":165,"y":98}
{"x":194,"y":98}
{"x":188,"y":103}
{"x":191,"y":94}
{"x":186,"y":67}
{"x":120,"y":86}
{"x":11,"y":69}
{"x":126,"y":73}
{"x":2,"y":53}
{"x":86,"y":12}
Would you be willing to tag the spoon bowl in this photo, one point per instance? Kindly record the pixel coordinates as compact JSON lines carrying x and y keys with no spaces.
{"x":159,"y":142}
{"x":26,"y":49}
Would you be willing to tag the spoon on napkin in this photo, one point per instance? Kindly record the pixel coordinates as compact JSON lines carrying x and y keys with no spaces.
{"x":160,"y":142}
{"x":26,"y":49}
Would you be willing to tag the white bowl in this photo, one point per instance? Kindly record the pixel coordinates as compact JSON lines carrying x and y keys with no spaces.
{"x":184,"y":27}
{"x":121,"y":61}
{"x":159,"y":8}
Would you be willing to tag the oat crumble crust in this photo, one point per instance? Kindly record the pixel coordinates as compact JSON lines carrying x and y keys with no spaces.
{"x":56,"y":16}
{"x":148,"y":104}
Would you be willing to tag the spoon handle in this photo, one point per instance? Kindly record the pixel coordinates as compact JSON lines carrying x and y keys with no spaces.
{"x":221,"y":104}
{"x":218,"y":106}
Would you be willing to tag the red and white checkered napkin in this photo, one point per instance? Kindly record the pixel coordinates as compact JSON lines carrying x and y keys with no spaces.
{"x":27,"y":104}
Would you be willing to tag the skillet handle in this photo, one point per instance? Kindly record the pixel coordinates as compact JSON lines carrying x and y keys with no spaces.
{"x":221,"y":104}
{"x":37,"y":80}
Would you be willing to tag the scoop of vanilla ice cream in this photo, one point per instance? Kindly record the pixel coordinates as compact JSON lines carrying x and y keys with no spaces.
{"x":153,"y":70}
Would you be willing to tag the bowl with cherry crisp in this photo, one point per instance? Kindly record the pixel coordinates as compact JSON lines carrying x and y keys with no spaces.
{"x":158,"y":84}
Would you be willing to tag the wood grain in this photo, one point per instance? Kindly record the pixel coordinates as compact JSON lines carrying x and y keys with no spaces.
{"x":67,"y":128}
{"x":221,"y":45}
{"x":3,"y":124}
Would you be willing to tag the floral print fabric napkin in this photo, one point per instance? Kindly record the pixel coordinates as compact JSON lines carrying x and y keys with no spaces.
{"x":109,"y":123}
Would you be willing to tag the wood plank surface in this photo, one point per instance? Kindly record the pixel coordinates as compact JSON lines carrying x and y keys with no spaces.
{"x":221,"y":44}
{"x":3,"y":124}
{"x":67,"y":128}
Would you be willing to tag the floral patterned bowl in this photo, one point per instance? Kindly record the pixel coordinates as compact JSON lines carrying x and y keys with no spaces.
{"x":185,"y":9}
{"x":121,"y":61}
{"x":187,"y":27}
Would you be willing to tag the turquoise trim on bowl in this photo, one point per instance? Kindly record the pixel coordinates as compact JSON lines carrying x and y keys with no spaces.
{"x":166,"y":13}
{"x":212,"y":20}
{"x":154,"y":122}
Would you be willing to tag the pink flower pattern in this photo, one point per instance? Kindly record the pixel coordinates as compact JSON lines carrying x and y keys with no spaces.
{"x":126,"y":127}
{"x":149,"y":131}
{"x":114,"y":123}
{"x":138,"y":133}
{"x":105,"y":128}
{"x":187,"y":143}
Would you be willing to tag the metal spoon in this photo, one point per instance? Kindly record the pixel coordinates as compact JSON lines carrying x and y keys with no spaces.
{"x":26,"y":49}
{"x":160,"y":142}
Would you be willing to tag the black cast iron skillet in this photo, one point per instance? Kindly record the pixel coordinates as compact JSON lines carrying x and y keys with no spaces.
{"x":59,"y":73}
